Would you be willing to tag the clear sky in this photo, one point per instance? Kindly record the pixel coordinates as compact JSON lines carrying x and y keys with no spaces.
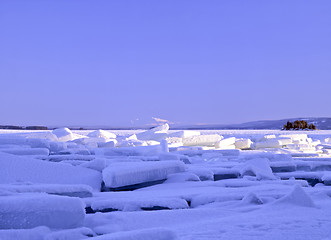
{"x":68,"y":62}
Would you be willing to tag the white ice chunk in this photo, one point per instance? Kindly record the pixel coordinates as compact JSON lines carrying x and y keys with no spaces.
{"x":162,"y":128}
{"x":65,"y":134}
{"x":131,"y":143}
{"x":243,"y":143}
{"x":295,"y":137}
{"x":285,"y":141}
{"x":202,"y":140}
{"x":270,"y":143}
{"x":124,"y":174}
{"x":21,"y":169}
{"x":32,"y":210}
{"x":157,"y":133}
{"x":164,"y":146}
{"x":101,"y":134}
{"x":184,"y":134}
{"x":174,"y":141}
{"x":226,"y":143}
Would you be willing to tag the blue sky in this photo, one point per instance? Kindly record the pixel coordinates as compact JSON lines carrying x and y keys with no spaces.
{"x":113,"y":62}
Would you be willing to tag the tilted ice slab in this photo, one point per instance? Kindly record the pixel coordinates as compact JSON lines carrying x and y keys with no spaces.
{"x":137,"y":204}
{"x":124,"y":174}
{"x":20,"y":141}
{"x":226,"y":143}
{"x":26,"y":151}
{"x":32,"y":210}
{"x":57,"y":189}
{"x":157,"y":133}
{"x":22,"y":169}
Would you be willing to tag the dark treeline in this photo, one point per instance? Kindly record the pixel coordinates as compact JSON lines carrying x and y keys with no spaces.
{"x":298,"y":124}
{"x":12,"y":127}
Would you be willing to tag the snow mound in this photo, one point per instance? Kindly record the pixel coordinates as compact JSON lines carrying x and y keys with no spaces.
{"x":32,"y":210}
{"x":297,"y":197}
{"x":143,"y":234}
{"x":70,"y":234}
{"x":37,"y":233}
{"x":123,"y":174}
{"x":251,"y":198}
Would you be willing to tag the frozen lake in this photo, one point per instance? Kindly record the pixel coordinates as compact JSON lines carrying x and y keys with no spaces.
{"x":165,"y":184}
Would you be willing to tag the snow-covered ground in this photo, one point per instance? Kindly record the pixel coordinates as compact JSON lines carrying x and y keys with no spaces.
{"x":164,"y":184}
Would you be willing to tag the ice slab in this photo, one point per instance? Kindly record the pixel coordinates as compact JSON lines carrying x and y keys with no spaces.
{"x":184,"y":134}
{"x":243,"y":143}
{"x":81,"y":191}
{"x":123,"y":174}
{"x":32,"y":210}
{"x":138,"y":204}
{"x":226,"y":143}
{"x":202,"y":140}
{"x":26,"y":151}
{"x":22,"y":169}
